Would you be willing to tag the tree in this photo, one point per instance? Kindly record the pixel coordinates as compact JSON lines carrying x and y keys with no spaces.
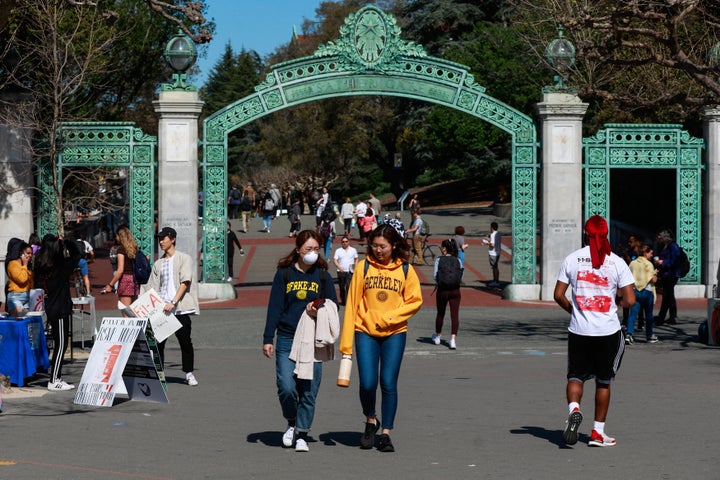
{"x":637,"y":59}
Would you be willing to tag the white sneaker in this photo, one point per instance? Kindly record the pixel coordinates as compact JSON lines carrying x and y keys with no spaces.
{"x":452,"y":344}
{"x":190,"y":379}
{"x":301,"y":445}
{"x":59,"y":386}
{"x":229,"y":279}
{"x":289,"y":436}
{"x":436,"y":338}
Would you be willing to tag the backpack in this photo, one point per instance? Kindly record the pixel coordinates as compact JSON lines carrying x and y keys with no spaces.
{"x":235,"y":194}
{"x":326,"y":229}
{"x":268,"y":204}
{"x":81,"y":248}
{"x":141,"y":268}
{"x":246,"y":203}
{"x":449,"y":273}
{"x":684,"y":263}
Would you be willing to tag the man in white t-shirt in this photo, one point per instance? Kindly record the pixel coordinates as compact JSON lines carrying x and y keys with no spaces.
{"x":595,"y":341}
{"x":494,"y":243}
{"x":360,"y":211}
{"x":345,"y":259}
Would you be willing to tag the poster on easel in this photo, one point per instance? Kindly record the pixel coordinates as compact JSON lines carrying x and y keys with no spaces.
{"x":120,"y":361}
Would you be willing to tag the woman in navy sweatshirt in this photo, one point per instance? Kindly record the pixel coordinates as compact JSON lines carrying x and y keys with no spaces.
{"x":301,"y":277}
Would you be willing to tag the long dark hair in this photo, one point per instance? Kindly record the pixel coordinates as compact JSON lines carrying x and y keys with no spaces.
{"x":400,"y":248}
{"x":300,"y":240}
{"x":53,"y":252}
{"x":450,"y":246}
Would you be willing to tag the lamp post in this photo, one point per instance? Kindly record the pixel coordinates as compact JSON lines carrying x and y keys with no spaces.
{"x":180,"y":54}
{"x":560,"y":53}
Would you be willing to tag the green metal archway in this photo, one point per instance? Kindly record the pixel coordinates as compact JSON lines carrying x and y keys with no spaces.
{"x":370,"y":58}
{"x":650,"y":146}
{"x":107,"y":144}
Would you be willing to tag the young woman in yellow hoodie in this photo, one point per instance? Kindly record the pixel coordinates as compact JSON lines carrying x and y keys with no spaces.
{"x":384,"y":293}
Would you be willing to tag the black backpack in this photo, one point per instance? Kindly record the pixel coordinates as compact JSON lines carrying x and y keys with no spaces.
{"x":449,"y":274}
{"x":141,"y":268}
{"x":684,"y":263}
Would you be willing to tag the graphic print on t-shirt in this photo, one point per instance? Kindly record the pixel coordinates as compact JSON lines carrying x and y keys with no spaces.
{"x":588,"y":280}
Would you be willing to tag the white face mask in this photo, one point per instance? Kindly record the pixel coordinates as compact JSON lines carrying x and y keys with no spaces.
{"x":310,"y":258}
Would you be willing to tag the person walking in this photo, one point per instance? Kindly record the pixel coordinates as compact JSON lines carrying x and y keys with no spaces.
{"x":384,"y":294}
{"x":127,"y":288}
{"x":447,"y":274}
{"x":347,"y":212}
{"x":233,"y":200}
{"x":247,"y":201}
{"x":360,"y":211}
{"x":301,"y":279}
{"x":54,"y":265}
{"x":494,"y":242}
{"x":345,"y":259}
{"x":645,"y":277}
{"x":595,"y":339}
{"x":417,"y":234}
{"x":295,"y":217}
{"x":462,"y":245}
{"x":375,"y":204}
{"x":232,"y":242}
{"x":173,"y":278}
{"x":668,"y":263}
{"x":268,"y":211}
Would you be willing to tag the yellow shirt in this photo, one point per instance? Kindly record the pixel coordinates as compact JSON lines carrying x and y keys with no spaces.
{"x":20,"y":279}
{"x":379,"y":302}
{"x":643,"y":271}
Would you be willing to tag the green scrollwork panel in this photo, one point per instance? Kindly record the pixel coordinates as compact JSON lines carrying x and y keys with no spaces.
{"x":109,"y":144}
{"x":370,"y":58}
{"x":651,"y":147}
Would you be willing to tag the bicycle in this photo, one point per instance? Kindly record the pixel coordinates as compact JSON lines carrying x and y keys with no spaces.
{"x":429,"y":252}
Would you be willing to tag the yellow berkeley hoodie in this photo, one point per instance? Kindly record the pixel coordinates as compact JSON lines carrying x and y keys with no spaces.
{"x":380,"y":301}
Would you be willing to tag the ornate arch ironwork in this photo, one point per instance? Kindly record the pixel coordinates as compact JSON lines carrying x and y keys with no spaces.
{"x":370,"y":58}
{"x":650,"y":146}
{"x":108,"y":144}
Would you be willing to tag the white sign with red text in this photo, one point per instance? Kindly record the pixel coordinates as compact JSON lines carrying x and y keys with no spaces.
{"x":150,"y":305}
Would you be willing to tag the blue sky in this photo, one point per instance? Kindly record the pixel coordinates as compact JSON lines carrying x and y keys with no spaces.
{"x":254,"y":25}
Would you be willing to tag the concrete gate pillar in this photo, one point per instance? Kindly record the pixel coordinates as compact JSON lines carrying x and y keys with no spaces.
{"x":561,"y":221}
{"x":16,"y":198}
{"x":178,"y":113}
{"x":711,"y":200}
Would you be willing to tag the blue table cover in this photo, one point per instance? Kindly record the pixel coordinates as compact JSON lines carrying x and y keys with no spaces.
{"x":23,"y":349}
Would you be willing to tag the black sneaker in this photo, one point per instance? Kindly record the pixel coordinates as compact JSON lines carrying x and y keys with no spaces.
{"x":368,"y":439}
{"x":570,"y":435}
{"x":385,"y":444}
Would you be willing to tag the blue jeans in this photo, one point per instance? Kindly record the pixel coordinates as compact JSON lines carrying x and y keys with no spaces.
{"x":644,"y":300}
{"x":297,"y":397}
{"x":267,"y":219}
{"x":386,"y":354}
{"x":18,"y":300}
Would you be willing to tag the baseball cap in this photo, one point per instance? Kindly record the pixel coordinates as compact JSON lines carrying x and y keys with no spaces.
{"x":166,"y":232}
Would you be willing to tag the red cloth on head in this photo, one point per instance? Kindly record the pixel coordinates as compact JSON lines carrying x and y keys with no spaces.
{"x":596,"y":229}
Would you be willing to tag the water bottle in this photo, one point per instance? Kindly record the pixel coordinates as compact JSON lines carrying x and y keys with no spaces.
{"x":343,"y":379}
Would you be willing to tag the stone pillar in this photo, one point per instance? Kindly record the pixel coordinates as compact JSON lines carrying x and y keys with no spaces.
{"x":16,"y":194}
{"x":178,"y":113}
{"x":711,"y":200}
{"x":561,"y":222}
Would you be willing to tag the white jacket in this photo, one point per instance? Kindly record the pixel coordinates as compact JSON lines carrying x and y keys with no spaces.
{"x":314,"y":340}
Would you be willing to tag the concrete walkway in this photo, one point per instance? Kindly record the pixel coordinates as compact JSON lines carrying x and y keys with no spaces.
{"x":492,"y":409}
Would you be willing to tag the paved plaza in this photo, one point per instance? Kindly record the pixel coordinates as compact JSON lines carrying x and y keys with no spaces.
{"x":492,"y":409}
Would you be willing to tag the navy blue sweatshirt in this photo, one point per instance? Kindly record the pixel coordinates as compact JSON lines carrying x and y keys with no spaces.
{"x":288,"y":301}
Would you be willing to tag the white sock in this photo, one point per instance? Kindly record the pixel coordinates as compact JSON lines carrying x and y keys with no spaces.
{"x":599,"y":427}
{"x":572,"y":406}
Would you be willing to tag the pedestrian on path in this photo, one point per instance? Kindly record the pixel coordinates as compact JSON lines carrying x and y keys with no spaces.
{"x":172,"y":277}
{"x":301,"y":278}
{"x":494,"y":243}
{"x":384,"y":294}
{"x":595,"y":339}
{"x":448,"y":275}
{"x":232,"y":242}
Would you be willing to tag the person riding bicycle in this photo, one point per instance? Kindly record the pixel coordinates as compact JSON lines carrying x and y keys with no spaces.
{"x":417,"y":232}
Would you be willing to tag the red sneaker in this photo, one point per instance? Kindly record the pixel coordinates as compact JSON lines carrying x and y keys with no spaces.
{"x":597,"y":440}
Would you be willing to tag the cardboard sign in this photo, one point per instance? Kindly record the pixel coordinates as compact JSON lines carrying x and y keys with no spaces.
{"x":150,"y":305}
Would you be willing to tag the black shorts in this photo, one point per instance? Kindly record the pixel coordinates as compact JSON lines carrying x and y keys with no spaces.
{"x":594,"y":357}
